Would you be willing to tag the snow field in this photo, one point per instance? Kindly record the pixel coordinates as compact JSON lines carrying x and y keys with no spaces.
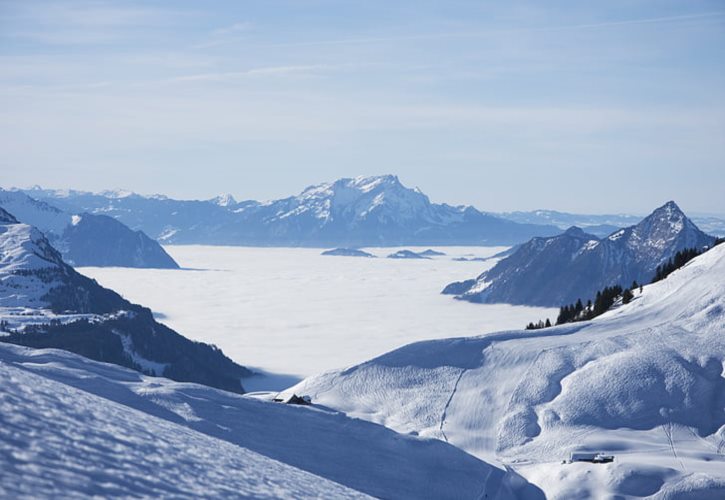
{"x":644,"y":382}
{"x":56,"y":440}
{"x":78,"y":427}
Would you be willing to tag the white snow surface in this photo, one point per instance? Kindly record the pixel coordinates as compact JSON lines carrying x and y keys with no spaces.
{"x":224,"y":200}
{"x":293,"y":311}
{"x":382,"y":197}
{"x":71,"y":427}
{"x":24,"y":249}
{"x":645,"y":382}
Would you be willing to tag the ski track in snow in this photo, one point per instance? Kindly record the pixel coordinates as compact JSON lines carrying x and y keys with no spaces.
{"x":448,"y":403}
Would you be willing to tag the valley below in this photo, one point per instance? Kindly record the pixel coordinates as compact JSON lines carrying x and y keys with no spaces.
{"x":292,"y":313}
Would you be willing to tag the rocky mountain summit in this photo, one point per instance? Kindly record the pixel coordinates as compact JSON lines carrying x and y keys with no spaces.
{"x":574,"y":265}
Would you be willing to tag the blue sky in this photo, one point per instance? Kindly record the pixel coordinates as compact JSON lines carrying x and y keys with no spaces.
{"x":611,"y":106}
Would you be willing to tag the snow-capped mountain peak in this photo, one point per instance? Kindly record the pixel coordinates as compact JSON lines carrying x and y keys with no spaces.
{"x":666,"y":227}
{"x":356,"y":199}
{"x":348,"y":212}
{"x":29,"y":266}
{"x":23,"y":247}
{"x":224,"y":200}
{"x":669,"y":215}
{"x":367,"y":184}
{"x":561,"y":269}
{"x":117,"y":193}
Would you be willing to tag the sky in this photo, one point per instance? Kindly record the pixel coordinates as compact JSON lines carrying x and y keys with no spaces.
{"x":591,"y":107}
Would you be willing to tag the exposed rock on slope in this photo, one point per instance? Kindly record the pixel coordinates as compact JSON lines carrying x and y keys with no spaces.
{"x":561,"y":269}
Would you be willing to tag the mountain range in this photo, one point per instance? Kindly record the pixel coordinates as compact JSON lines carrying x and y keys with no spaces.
{"x":350,"y":212}
{"x":87,"y":239}
{"x":496,"y":416}
{"x":124,"y":429}
{"x":561,"y":269}
{"x":44,"y":302}
{"x":603,"y":225}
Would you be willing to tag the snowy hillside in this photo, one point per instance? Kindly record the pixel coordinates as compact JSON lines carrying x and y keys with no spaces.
{"x":44,"y":302}
{"x":351,"y":212}
{"x":644,"y":382}
{"x":56,"y":440}
{"x":85,"y":239}
{"x":74,"y":426}
{"x":575,"y":265}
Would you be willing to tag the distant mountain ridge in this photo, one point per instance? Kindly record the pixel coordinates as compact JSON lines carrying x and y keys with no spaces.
{"x":44,"y":302}
{"x":87,"y":239}
{"x":349,"y":212}
{"x":605,"y":224}
{"x":574,"y":265}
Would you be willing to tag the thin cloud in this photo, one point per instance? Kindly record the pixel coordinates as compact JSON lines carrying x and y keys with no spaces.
{"x":83,"y":22}
{"x":478,"y":34}
{"x":224,"y":35}
{"x":234,"y":28}
{"x":262,"y":71}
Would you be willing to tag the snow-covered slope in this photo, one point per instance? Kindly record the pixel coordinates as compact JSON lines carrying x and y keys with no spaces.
{"x":44,"y":302}
{"x":69,"y":425}
{"x":361,"y":211}
{"x":59,"y":441}
{"x":85,"y":239}
{"x":645,"y":382}
{"x":575,"y":265}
